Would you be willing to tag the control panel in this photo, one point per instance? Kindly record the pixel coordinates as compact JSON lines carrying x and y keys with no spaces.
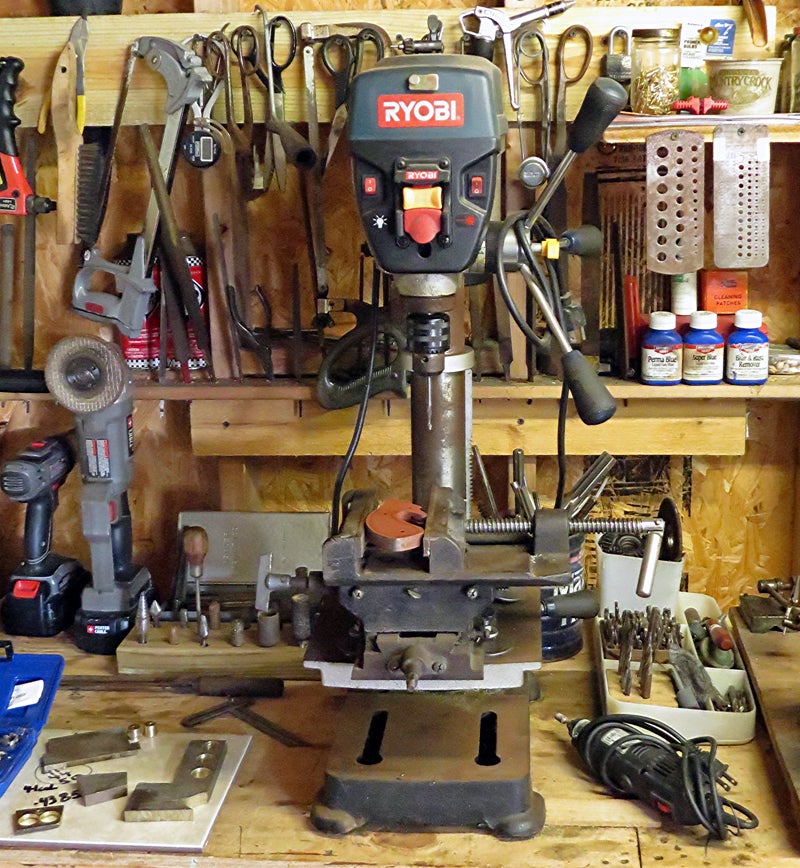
{"x":425,"y":135}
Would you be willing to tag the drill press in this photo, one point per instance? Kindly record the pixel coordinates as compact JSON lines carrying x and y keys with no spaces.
{"x":435,"y":727}
{"x":89,"y":377}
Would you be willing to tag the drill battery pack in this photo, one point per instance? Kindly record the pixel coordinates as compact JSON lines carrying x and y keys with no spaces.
{"x":44,"y":604}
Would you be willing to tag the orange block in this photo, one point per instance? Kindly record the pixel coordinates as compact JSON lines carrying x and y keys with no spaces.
{"x":723,"y":291}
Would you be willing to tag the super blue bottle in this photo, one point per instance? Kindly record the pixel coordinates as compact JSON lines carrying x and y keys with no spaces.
{"x":747,"y":351}
{"x":703,"y":350}
{"x":662,"y":351}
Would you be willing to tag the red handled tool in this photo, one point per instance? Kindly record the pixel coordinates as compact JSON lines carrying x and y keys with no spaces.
{"x":16,"y":195}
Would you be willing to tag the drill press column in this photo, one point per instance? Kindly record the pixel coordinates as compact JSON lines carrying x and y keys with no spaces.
{"x":440,"y":366}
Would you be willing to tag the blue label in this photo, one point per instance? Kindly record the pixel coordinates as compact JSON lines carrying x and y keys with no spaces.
{"x":727,"y":32}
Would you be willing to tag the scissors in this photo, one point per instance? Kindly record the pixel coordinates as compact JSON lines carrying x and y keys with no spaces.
{"x":250,"y":58}
{"x":532,"y":45}
{"x":343,"y":58}
{"x":339,"y":59}
{"x":576,"y":33}
{"x":274,"y":84}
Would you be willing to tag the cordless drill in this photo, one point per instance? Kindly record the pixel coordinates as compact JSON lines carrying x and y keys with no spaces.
{"x":44,"y":592}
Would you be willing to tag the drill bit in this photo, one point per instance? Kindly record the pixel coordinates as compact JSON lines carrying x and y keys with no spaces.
{"x":142,"y":620}
{"x":646,"y":667}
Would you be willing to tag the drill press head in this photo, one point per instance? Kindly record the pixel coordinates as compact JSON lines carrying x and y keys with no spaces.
{"x":425,"y":134}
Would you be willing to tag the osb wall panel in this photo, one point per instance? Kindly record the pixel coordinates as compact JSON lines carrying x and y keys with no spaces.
{"x":740,"y":526}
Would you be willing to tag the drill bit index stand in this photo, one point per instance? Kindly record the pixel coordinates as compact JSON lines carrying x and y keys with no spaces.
{"x":408,"y":620}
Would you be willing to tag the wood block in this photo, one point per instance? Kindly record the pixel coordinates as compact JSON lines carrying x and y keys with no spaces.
{"x":160,"y":659}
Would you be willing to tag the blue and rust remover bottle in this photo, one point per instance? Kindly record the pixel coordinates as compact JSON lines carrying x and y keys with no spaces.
{"x":703,"y":350}
{"x":662,"y":351}
{"x":747,"y":350}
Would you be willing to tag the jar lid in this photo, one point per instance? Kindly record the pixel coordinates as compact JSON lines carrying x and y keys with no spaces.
{"x":747,"y":319}
{"x":656,"y":33}
{"x":663,"y":320}
{"x":703,"y":319}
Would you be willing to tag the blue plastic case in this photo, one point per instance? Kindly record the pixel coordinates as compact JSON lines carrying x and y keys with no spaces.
{"x":20,"y":726}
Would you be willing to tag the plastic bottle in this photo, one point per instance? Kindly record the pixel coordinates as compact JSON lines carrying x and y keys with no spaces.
{"x":684,"y":293}
{"x":703,"y":350}
{"x":747,"y":350}
{"x":662,"y":351}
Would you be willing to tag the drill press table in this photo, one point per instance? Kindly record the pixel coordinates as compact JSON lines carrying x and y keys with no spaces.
{"x":264,"y":820}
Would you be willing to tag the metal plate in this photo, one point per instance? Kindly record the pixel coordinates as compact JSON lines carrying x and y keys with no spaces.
{"x":675,"y":212}
{"x":101,"y":826}
{"x":741,"y":196}
{"x":88,"y":747}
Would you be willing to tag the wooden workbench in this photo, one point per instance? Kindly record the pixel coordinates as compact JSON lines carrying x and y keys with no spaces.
{"x":264,"y":820}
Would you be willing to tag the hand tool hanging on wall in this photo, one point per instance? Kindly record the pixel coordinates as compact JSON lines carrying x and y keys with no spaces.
{"x":283,"y":143}
{"x":343,"y":58}
{"x":18,"y":199}
{"x":530,"y":45}
{"x":16,"y":196}
{"x":311,"y":189}
{"x":186,"y":80}
{"x":44,"y":590}
{"x":173,"y":257}
{"x":66,"y":102}
{"x":496,"y":24}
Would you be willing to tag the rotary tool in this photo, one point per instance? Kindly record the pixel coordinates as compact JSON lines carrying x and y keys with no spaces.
{"x":638,"y":757}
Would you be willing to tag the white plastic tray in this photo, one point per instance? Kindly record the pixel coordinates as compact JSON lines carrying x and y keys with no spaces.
{"x":727,"y":727}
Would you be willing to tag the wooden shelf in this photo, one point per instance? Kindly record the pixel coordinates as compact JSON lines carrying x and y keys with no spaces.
{"x":38,"y":41}
{"x":630,"y":128}
{"x":784,"y":388}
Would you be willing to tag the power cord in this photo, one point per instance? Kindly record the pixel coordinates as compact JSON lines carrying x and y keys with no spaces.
{"x":336,"y":500}
{"x":640,"y":757}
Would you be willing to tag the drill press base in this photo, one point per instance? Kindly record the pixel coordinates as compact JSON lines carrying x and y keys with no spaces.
{"x":431,"y":760}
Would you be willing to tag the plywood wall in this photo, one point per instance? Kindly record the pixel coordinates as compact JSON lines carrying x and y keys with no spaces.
{"x":740,"y":521}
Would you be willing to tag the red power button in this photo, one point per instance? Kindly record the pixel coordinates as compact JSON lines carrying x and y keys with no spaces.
{"x":25,"y":589}
{"x":370,"y":185}
{"x":476,"y":185}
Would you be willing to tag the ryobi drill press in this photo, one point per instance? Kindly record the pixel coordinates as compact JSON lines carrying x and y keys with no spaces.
{"x":89,"y":377}
{"x":435,"y":727}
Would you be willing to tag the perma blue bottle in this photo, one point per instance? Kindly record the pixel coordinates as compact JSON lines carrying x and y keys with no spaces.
{"x":703,"y":350}
{"x":747,"y":351}
{"x":662,"y":351}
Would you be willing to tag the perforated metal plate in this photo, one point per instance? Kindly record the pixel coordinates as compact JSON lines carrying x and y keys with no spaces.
{"x":675,"y":215}
{"x":741,"y":196}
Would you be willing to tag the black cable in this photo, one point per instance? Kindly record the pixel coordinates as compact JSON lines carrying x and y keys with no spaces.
{"x":502,"y":285}
{"x":642,"y":757}
{"x":336,"y":499}
{"x":561,"y":438}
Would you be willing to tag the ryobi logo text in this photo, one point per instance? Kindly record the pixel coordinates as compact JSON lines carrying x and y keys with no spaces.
{"x":404,"y":110}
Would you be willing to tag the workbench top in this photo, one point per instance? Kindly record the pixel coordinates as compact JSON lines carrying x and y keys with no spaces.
{"x":265,"y":818}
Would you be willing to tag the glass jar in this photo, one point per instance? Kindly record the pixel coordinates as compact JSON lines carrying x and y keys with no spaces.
{"x":655,"y":70}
